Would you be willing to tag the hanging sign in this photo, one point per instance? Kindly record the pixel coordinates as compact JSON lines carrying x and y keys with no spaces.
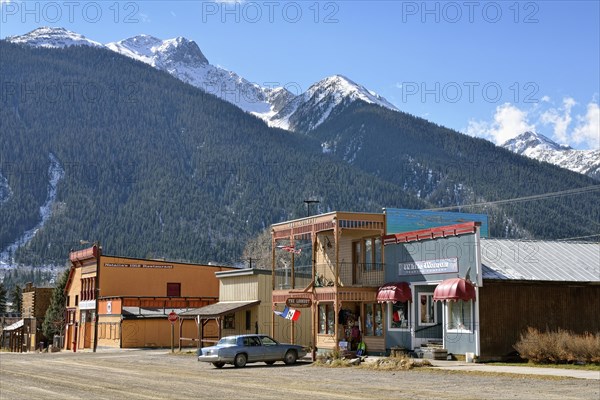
{"x":298,"y":302}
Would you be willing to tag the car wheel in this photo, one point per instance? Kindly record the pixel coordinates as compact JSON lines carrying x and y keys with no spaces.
{"x":240,"y":360}
{"x":290,"y":357}
{"x":269,"y":362}
{"x":218,"y":364}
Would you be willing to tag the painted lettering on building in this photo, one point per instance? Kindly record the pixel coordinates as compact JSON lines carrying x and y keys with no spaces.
{"x":442,"y":266}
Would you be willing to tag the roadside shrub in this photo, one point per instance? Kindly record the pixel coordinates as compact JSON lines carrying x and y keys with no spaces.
{"x":396,"y":364}
{"x":558,"y":347}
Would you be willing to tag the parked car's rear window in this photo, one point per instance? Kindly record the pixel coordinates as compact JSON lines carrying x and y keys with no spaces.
{"x":227,"y":340}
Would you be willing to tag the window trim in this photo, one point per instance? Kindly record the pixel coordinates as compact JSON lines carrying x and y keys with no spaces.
{"x":390,"y":314}
{"x":373,"y":307}
{"x":328,"y":307}
{"x":465,"y":329}
{"x":229,"y":321}
{"x":172,"y":285}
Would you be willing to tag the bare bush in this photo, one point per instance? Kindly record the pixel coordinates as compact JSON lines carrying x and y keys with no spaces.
{"x":559,"y":346}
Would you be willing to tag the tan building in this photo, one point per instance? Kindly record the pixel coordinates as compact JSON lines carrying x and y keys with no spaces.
{"x":25,"y":333}
{"x":245,"y":307}
{"x":335,"y":262}
{"x":132,"y":298}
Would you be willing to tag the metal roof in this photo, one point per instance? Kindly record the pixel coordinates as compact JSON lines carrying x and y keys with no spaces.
{"x":149,"y":312}
{"x":16,"y":325}
{"x":219,"y":309}
{"x":532,"y":260}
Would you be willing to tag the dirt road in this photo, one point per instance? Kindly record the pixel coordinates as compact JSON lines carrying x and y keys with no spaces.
{"x":157,"y":374}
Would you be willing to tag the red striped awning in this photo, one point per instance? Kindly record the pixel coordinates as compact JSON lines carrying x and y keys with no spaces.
{"x":454,"y":289}
{"x":393,"y":292}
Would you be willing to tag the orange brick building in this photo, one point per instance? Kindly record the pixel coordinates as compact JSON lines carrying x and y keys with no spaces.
{"x":124,"y":302}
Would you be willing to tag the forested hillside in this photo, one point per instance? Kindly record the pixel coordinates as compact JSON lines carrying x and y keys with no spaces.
{"x":152,"y":167}
{"x":447,"y":168}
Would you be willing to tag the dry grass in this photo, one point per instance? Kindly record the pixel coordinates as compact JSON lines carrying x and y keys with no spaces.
{"x":380,"y":364}
{"x":558,"y":347}
{"x":396,"y":364}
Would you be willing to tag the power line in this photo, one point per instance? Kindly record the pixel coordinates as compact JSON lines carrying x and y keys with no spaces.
{"x":578,"y":237}
{"x":550,"y":195}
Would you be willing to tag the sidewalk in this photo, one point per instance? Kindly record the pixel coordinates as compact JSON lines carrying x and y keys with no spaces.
{"x":463,"y":366}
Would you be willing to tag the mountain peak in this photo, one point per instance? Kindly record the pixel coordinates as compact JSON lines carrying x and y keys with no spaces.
{"x":158,"y":52}
{"x":532,"y":140}
{"x":344,"y":88}
{"x":310,"y":109}
{"x":50,"y":37}
{"x":539,"y":147}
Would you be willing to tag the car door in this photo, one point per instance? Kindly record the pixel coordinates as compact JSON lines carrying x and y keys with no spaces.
{"x":254,"y":349}
{"x":272,"y":349}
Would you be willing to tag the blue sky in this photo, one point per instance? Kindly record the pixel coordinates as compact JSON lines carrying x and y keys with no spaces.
{"x":490,"y":69}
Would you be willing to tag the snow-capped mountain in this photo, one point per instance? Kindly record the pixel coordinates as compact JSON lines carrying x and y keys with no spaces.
{"x":183,"y":59}
{"x":539,"y":147}
{"x":310,"y":109}
{"x":54,"y":38}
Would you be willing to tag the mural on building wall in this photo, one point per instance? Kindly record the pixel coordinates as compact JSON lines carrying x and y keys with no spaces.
{"x":400,"y":220}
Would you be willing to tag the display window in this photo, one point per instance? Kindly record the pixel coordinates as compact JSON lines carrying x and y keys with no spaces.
{"x":399,"y":313}
{"x":460,"y":315}
{"x":373,"y":319}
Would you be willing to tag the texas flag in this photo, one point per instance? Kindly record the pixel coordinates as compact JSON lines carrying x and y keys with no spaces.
{"x":289,"y":313}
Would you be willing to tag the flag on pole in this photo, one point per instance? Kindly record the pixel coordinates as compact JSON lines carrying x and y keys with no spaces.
{"x":289,"y":313}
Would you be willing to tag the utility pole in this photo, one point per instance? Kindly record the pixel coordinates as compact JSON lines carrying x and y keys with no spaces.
{"x":308,"y":203}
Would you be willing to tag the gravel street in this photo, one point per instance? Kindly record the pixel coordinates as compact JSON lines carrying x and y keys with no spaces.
{"x":158,"y":374}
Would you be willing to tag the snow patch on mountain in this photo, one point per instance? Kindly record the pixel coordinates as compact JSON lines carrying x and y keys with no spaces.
{"x":53,"y":38}
{"x":183,"y":59}
{"x":310,"y":109}
{"x":541,"y":148}
{"x":55,"y":173}
{"x":5,"y":190}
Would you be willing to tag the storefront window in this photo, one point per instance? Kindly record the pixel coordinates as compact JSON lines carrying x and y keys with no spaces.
{"x":399,"y":315}
{"x":326,"y":319}
{"x":460,"y":315}
{"x":427,"y":314}
{"x":373,"y":319}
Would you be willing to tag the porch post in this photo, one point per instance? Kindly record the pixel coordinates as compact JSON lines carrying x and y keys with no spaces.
{"x":337,"y":305}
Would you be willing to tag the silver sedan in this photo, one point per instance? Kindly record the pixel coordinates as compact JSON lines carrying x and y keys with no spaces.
{"x":242,"y":349}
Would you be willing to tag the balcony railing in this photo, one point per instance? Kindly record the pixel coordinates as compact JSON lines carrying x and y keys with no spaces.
{"x":350,"y":274}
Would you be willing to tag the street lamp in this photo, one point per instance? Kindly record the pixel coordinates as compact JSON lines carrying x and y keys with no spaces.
{"x":308,"y":203}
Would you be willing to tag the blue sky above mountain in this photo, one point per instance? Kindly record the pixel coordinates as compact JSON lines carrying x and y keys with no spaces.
{"x":490,"y":69}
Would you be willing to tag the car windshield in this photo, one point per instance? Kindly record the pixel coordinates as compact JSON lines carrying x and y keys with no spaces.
{"x":227,"y":340}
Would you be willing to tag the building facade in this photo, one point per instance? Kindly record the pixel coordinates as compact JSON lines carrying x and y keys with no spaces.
{"x":335,"y":263}
{"x":445,"y":289}
{"x":245,"y":307}
{"x":124,"y":302}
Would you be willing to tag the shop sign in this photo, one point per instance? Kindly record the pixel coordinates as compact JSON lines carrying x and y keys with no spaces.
{"x":125,"y":265}
{"x":298,"y":302}
{"x":87,"y":305}
{"x":442,"y":266}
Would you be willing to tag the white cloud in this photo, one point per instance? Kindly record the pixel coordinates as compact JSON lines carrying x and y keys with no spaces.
{"x":588,"y":128}
{"x":509,"y":121}
{"x":560,"y":118}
